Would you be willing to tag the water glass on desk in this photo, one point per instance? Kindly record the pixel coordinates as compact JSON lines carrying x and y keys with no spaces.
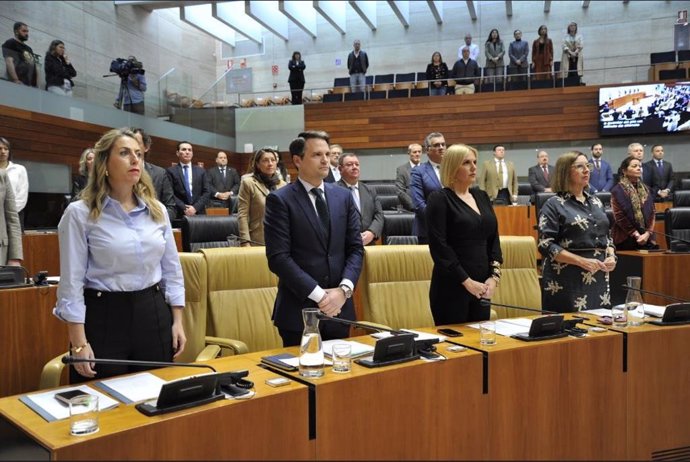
{"x":83,"y":415}
{"x":342,"y":358}
{"x":487,"y":333}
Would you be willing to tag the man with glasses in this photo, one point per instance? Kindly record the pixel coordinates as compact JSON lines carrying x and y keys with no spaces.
{"x":498,"y":177}
{"x":601,"y":176}
{"x":425,"y":179}
{"x":540,"y":175}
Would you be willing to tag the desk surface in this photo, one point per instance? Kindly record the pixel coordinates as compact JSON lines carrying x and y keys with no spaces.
{"x":272,"y":425}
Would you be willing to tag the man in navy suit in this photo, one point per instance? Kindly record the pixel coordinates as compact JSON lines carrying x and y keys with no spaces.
{"x":313,"y":243}
{"x":425,"y":179}
{"x":601,"y":176}
{"x":189,"y":182}
{"x":660,"y":174}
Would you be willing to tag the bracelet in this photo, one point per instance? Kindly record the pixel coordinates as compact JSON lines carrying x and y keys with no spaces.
{"x":77,"y":350}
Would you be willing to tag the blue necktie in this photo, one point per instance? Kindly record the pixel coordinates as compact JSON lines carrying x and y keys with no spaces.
{"x":661,"y":167}
{"x":322,"y":210}
{"x":185,"y":169}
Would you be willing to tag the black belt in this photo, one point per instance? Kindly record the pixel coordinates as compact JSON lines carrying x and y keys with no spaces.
{"x":104,"y":293}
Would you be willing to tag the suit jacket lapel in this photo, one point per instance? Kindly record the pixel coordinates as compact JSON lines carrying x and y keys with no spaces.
{"x":431,"y":171}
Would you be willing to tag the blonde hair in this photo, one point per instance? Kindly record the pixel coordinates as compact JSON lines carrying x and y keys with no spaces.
{"x":560,"y":181}
{"x":98,"y":187}
{"x":82,"y":161}
{"x":452,"y":160}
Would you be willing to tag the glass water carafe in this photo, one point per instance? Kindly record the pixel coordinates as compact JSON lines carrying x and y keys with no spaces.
{"x":311,"y":349}
{"x":633,"y":302}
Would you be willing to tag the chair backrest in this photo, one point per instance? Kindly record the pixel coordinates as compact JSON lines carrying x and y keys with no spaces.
{"x":388,"y":202}
{"x":685,"y":184}
{"x":401,"y":240}
{"x":397,"y":224}
{"x":408,"y":77}
{"x":384,"y":78}
{"x":519,"y":284}
{"x":662,"y":57}
{"x":604,"y":197}
{"x":673,"y":74}
{"x":395,"y":285}
{"x":683,"y":55}
{"x":359,"y":96}
{"x":540,"y":199}
{"x":201,"y":231}
{"x":524,"y":189}
{"x":195,"y":311}
{"x":677,"y":221}
{"x":341,"y":82}
{"x":681,"y":199}
{"x":400,"y":92}
{"x":333,"y":98}
{"x":241,"y":294}
{"x":383,"y":189}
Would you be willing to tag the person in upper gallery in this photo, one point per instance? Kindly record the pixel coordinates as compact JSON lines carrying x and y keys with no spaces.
{"x":542,"y":55}
{"x":466,"y":73}
{"x":10,"y":230}
{"x":85,"y":169}
{"x":498,"y":178}
{"x":313,"y":244}
{"x":463,"y":241}
{"x":425,"y":179}
{"x":368,"y":204}
{"x":661,"y":173}
{"x":20,"y":59}
{"x":296,"y":78}
{"x":601,"y":176}
{"x":357,"y":65}
{"x":540,"y":175}
{"x":473,"y":47}
{"x":333,"y":171}
{"x":59,"y":70}
{"x":437,"y":75}
{"x":18,"y":178}
{"x":402,"y":176}
{"x":518,"y":52}
{"x":121,"y":289}
{"x":633,"y":209}
{"x":574,"y":241}
{"x":159,"y":177}
{"x":571,"y":60}
{"x":254,"y":188}
{"x":224,"y":183}
{"x":494,"y":52}
{"x":189,"y":182}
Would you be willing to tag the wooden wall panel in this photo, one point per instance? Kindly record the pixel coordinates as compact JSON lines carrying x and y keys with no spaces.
{"x":46,"y":138}
{"x":562,"y":114}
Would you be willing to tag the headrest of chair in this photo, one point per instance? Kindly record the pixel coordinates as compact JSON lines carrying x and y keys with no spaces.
{"x":681,"y":199}
{"x":399,"y":224}
{"x":389,"y":202}
{"x":207,"y":229}
{"x":604,"y":197}
{"x":524,"y":189}
{"x":541,"y":199}
{"x":678,"y":218}
{"x":402,"y":240}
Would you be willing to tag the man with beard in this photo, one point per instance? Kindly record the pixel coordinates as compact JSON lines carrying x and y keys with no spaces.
{"x":20,"y":59}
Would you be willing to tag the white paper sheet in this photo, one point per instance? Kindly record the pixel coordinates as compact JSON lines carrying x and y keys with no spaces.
{"x":134,"y":388}
{"x":47,"y":403}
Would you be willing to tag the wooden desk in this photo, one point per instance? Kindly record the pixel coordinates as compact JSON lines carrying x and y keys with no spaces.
{"x":552,"y":399}
{"x":661,"y":272}
{"x":272,"y":425}
{"x":30,"y":336}
{"x":516,"y":220}
{"x":41,"y":252}
{"x":407,"y":411}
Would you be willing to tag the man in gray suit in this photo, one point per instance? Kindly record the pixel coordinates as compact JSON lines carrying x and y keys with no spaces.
{"x":368,"y":205}
{"x":402,"y":176}
{"x":540,"y":175}
{"x":161,"y":182}
{"x":224,"y":183}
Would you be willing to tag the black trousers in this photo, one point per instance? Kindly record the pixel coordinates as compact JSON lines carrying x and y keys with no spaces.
{"x":126,"y":325}
{"x":296,"y":89}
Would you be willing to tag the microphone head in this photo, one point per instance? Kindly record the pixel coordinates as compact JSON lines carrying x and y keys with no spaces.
{"x":485,"y":303}
{"x":67,"y":359}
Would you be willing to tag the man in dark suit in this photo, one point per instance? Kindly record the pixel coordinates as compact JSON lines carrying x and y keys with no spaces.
{"x":540,"y":175}
{"x":333,"y":171}
{"x":368,"y":205}
{"x":661,"y":174}
{"x":601,"y":176}
{"x":313,"y":243}
{"x":466,"y":73}
{"x":402,"y":176}
{"x":425,"y":179}
{"x":159,"y":177}
{"x":224,"y":183}
{"x":189,"y":182}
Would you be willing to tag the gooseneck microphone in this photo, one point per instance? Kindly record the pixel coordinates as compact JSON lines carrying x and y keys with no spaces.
{"x":68,"y":359}
{"x":325,"y":317}
{"x":658,"y":294}
{"x":243,"y":240}
{"x":677,"y":244}
{"x":487,"y":303}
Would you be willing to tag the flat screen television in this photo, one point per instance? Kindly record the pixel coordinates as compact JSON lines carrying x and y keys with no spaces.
{"x":644,"y":109}
{"x":49,"y":189}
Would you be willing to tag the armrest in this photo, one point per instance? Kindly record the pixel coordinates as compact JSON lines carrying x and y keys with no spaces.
{"x":374,"y":325}
{"x":238,"y":347}
{"x":208,"y":353}
{"x":50,"y":375}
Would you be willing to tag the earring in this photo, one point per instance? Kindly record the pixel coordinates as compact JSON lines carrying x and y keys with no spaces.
{"x":106,"y":173}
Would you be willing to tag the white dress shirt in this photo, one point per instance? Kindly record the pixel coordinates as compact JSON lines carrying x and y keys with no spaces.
{"x":20,"y":184}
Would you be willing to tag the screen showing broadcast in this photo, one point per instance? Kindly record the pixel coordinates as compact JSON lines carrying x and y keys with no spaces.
{"x":642,"y":109}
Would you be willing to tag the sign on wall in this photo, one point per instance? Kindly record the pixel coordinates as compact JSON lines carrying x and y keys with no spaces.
{"x":238,"y":81}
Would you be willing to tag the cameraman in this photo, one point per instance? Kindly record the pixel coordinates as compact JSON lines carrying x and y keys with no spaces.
{"x":133,"y":94}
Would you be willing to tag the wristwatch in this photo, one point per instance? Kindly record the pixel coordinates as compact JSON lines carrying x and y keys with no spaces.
{"x":346,"y":290}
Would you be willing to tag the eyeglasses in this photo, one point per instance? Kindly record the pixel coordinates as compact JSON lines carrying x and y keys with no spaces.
{"x":438,"y":145}
{"x":582,"y":167}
